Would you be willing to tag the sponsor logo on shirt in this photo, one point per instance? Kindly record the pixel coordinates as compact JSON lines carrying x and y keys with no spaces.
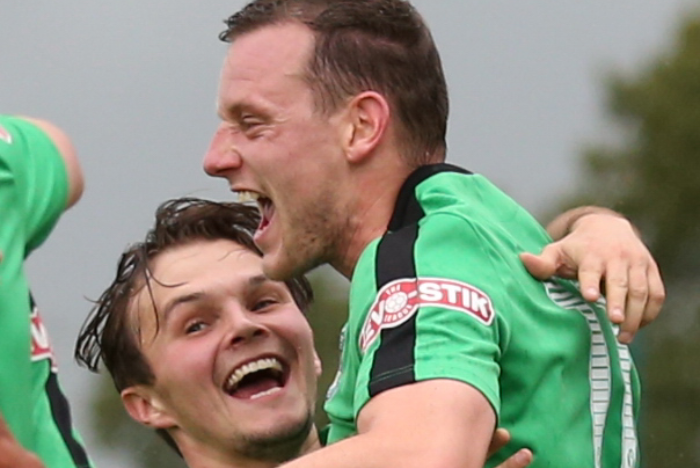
{"x":399,"y":300}
{"x":5,"y":135}
{"x":41,"y":347}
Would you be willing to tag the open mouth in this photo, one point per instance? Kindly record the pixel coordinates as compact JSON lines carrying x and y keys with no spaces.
{"x":267,"y":210}
{"x":257,"y":378}
{"x":265,"y":206}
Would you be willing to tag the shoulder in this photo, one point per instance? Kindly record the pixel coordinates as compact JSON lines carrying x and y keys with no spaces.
{"x":65,"y":148}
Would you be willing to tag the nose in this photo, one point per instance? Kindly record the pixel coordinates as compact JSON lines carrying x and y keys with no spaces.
{"x":243,"y":329}
{"x":222,"y":158}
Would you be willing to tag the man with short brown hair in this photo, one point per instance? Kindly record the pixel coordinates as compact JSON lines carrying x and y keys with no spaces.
{"x":334,"y":115}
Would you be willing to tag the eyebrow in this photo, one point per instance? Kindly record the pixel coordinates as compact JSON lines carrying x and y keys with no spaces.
{"x":252,"y":282}
{"x":180,"y":300}
{"x":234,"y":111}
{"x":258,"y":280}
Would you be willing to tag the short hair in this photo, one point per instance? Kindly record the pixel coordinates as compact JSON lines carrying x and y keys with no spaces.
{"x":360,"y":45}
{"x":108,"y":334}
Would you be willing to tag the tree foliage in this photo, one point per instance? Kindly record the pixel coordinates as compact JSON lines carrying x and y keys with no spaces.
{"x":651,"y":173}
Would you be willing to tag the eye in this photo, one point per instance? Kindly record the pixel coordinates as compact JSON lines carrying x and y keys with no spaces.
{"x":264,"y":304}
{"x":195,"y":326}
{"x":249,"y":122}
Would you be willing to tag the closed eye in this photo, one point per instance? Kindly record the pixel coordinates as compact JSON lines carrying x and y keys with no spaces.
{"x":250,"y":122}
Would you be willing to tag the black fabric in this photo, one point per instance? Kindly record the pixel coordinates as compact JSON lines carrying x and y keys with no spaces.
{"x":61,"y":415}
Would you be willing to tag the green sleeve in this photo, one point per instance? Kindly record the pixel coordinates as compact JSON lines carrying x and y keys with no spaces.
{"x":33,"y":183}
{"x":459,"y":329}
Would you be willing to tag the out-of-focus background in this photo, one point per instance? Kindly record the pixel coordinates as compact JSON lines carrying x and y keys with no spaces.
{"x":557,"y":102}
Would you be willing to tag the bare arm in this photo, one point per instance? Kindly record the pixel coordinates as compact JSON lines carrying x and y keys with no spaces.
{"x":564,"y":224}
{"x":13,"y":454}
{"x":418,"y":425}
{"x":76,"y":182}
{"x":594,"y":245}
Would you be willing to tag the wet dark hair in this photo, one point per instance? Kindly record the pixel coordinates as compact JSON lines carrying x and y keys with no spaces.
{"x":109,"y":334}
{"x":360,"y":45}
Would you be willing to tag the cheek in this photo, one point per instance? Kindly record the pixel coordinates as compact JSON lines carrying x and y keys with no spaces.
{"x":185,"y":364}
{"x":292,"y":328}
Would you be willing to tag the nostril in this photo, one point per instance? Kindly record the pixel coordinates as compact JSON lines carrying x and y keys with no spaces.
{"x":237,"y":340}
{"x":241,"y":336}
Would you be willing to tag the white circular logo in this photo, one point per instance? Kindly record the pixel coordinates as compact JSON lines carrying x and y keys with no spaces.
{"x":396,"y":302}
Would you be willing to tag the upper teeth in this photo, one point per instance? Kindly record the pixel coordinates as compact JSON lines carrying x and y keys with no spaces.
{"x":249,"y":368}
{"x":245,"y":196}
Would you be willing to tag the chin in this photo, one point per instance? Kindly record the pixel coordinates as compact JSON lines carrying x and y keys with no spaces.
{"x":282,"y":442}
{"x":281,"y":269}
{"x":275,"y":268}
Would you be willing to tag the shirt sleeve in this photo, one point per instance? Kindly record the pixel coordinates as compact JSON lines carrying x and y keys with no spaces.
{"x":33,"y":183}
{"x":445,"y":322}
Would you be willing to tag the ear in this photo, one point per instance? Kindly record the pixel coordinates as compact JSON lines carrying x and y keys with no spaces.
{"x":317,"y":364}
{"x":145,"y":407}
{"x":368,"y":114}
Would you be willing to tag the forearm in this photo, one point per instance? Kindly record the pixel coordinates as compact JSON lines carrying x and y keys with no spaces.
{"x":360,"y":451}
{"x":563,"y":224}
{"x":421,"y":425}
{"x":367,"y":451}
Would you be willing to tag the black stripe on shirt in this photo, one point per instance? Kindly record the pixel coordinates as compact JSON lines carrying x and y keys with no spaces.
{"x":394,"y":360}
{"x":61,"y":415}
{"x":60,"y":411}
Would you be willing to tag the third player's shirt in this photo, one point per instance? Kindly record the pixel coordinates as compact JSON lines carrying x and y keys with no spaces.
{"x":33,"y":194}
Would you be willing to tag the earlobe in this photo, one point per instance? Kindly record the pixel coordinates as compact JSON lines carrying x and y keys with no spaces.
{"x":146,"y":408}
{"x":369,"y":115}
{"x":317,"y":365}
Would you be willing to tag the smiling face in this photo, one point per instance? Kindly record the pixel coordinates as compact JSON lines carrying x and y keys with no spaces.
{"x":273,"y":143}
{"x":232,"y":355}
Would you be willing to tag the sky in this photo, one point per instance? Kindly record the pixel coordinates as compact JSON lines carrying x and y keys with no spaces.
{"x":134,"y":83}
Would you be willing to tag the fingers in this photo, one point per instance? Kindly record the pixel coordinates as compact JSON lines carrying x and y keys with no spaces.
{"x":656,"y":296}
{"x":499,"y":440}
{"x":539,"y":266}
{"x":551,"y":261}
{"x":616,"y":289}
{"x":519,"y":459}
{"x":637,"y":293}
{"x":590,"y":275}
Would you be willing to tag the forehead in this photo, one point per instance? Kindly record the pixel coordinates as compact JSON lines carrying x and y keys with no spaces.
{"x":266,"y":57}
{"x":270,"y":46}
{"x":204,"y":260}
{"x":200,"y":266}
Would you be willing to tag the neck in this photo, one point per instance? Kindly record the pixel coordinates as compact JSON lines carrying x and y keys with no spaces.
{"x":370,"y":209}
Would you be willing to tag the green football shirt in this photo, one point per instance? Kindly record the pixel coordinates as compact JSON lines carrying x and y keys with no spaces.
{"x":33,"y":194}
{"x":443,"y":294}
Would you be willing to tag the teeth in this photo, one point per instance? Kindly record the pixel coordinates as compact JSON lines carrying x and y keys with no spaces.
{"x":265,"y":393}
{"x":245,"y":196}
{"x":250,"y":367}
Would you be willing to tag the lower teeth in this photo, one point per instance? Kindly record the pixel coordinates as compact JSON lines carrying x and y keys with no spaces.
{"x":265,"y":393}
